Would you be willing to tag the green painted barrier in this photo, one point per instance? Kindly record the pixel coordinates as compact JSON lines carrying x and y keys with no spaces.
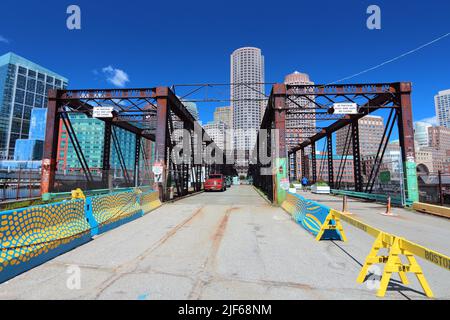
{"x":66,"y":195}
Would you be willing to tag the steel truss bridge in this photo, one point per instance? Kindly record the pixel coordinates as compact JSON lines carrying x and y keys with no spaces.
{"x":283,"y":105}
{"x":151,"y":114}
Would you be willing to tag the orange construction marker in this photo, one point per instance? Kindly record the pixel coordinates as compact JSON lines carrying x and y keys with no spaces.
{"x":389,"y":212}
{"x":345,"y":206}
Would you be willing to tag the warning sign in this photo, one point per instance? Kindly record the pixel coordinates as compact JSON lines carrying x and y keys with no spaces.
{"x":102,"y":112}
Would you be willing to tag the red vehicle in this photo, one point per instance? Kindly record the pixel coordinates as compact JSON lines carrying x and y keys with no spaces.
{"x":215,"y":182}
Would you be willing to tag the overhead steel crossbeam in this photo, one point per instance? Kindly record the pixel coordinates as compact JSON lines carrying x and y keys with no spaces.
{"x":132,"y":107}
{"x":218,"y":92}
{"x":369,"y":98}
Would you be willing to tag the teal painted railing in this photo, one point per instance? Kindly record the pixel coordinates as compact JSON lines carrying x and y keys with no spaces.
{"x":372,"y":196}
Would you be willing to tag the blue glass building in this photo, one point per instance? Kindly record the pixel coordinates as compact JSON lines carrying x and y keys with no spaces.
{"x":32,"y":148}
{"x":23,"y":86}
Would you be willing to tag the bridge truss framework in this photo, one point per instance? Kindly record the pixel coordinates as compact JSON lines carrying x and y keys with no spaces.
{"x":151,"y":114}
{"x":283,"y":105}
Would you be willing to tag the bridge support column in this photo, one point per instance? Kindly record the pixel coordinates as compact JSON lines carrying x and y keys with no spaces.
{"x":281,"y":177}
{"x":406,"y":137}
{"x":293,"y":157}
{"x":313,"y":162}
{"x":356,"y":157}
{"x":303,"y":164}
{"x":106,"y":165}
{"x":137,"y":155}
{"x":161,"y":140}
{"x":51,"y":143}
{"x":330,"y":160}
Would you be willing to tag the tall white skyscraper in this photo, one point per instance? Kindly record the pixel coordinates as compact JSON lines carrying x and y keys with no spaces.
{"x":442,"y":103}
{"x":247,"y":93}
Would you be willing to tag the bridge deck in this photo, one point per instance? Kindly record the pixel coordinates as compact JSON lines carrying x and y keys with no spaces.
{"x":230,"y":245}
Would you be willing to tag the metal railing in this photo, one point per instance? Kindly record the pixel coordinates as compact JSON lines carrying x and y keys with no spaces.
{"x":19,"y":184}
{"x":434,"y":188}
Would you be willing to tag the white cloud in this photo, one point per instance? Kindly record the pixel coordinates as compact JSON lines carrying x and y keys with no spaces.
{"x":115,"y":76}
{"x":3,"y":39}
{"x":431,"y":120}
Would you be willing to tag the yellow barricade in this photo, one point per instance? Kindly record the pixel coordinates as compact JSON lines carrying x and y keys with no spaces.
{"x":396,"y":247}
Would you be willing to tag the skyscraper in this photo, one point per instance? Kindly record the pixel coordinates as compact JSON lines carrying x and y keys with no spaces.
{"x":442,"y":104}
{"x":23,"y":85}
{"x":247,"y":96}
{"x":32,"y":148}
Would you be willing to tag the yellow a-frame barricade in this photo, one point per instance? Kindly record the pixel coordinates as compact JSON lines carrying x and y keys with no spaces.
{"x":395,"y":247}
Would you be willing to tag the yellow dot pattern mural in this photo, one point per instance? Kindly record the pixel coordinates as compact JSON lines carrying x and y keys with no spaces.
{"x":28,"y":233}
{"x":150,"y":201}
{"x":31,"y":236}
{"x":116,"y":206}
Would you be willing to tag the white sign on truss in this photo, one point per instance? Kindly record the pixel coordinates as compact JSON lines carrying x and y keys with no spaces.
{"x":102,"y":112}
{"x":345,"y":108}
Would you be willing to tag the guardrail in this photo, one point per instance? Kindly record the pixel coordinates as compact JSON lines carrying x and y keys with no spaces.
{"x":64,"y":195}
{"x":329,"y":222}
{"x":432,"y":209}
{"x":31,"y":236}
{"x":372,"y":196}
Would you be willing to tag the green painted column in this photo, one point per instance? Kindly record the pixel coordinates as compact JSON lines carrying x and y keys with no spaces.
{"x":412,"y":185}
{"x":281,"y":180}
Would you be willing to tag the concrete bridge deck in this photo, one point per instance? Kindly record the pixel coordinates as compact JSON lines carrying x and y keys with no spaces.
{"x":231,"y":245}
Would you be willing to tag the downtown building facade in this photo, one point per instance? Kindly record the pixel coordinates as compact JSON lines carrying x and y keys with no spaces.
{"x":421,"y":136}
{"x":344,"y":163}
{"x":225,"y":115}
{"x":24,"y":85}
{"x":442,"y":105}
{"x":370,"y":130}
{"x":247,"y":101}
{"x":219,"y":133}
{"x":432,"y":148}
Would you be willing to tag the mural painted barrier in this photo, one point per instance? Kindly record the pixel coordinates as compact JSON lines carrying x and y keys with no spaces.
{"x":311,"y":216}
{"x":34,"y":235}
{"x":396,"y":247}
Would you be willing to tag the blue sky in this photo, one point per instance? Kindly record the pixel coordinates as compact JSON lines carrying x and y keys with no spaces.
{"x":151,"y":43}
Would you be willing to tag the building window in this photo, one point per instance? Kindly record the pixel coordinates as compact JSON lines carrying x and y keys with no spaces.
{"x":21,"y":80}
{"x":20,"y":96}
{"x":22,"y":70}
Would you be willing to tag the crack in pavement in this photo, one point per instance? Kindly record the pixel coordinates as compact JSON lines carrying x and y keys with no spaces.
{"x":210,"y":261}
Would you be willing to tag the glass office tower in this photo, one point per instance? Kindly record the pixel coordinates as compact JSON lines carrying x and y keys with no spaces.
{"x":23,"y":86}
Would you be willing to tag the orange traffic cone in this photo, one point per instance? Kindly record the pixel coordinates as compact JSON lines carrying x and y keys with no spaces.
{"x":389,"y":212}
{"x":345,"y":206}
